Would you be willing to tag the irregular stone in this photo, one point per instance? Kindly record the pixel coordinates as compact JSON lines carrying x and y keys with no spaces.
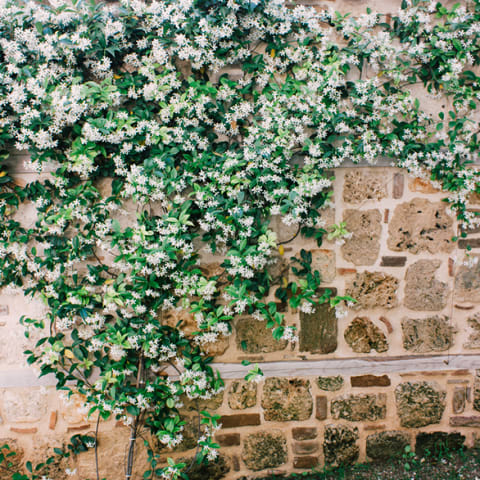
{"x":437,"y":443}
{"x":305,"y":462}
{"x":330,"y":384}
{"x":474,"y":338}
{"x":363,"y":335}
{"x":242,"y":394}
{"x":419,"y":403}
{"x":356,"y":408}
{"x":24,"y":404}
{"x":240,"y":420}
{"x":213,"y":470}
{"x":364,"y":245}
{"x":422,"y":186}
{"x":16,"y":460}
{"x":304,"y":433}
{"x":284,"y":232}
{"x":373,"y":289}
{"x":459,"y":398}
{"x":286,"y":399}
{"x":253,"y":336}
{"x":318,"y":330}
{"x":324,"y":261}
{"x":422,"y":290}
{"x":190,"y":435}
{"x":340,"y":444}
{"x":321,"y":407}
{"x":467,"y":280}
{"x":420,"y":225}
{"x":265,"y":450}
{"x":278,"y":268}
{"x":360,"y":186}
{"x":431,"y":334}
{"x":385,"y":445}
{"x":370,"y":381}
{"x":199,"y":404}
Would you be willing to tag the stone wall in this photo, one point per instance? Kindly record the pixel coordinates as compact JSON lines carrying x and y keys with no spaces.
{"x":398,"y":369}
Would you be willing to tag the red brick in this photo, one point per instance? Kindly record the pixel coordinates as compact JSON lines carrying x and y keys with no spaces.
{"x":305,"y":462}
{"x":302,"y":448}
{"x":346,"y":271}
{"x":398,"y":184}
{"x":24,"y":430}
{"x":374,"y":426}
{"x":321,"y":407}
{"x":387,"y":324}
{"x":472,"y":421}
{"x":78,"y":427}
{"x":370,"y":381}
{"x":228,"y":439}
{"x":53,"y":420}
{"x":304,"y":433}
{"x":240,"y":420}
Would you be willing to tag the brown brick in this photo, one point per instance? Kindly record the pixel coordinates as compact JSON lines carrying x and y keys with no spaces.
{"x":305,"y":462}
{"x":78,"y":427}
{"x":469,"y":242}
{"x":346,"y":271}
{"x":302,"y":448}
{"x":304,"y":433}
{"x":321,"y":407}
{"x":388,"y":18}
{"x":4,"y":310}
{"x":240,"y":420}
{"x":53,"y":420}
{"x":472,"y":421}
{"x":387,"y":324}
{"x":370,"y":381}
{"x":374,"y":426}
{"x":24,"y":430}
{"x":461,"y":372}
{"x":456,"y":381}
{"x":235,"y":463}
{"x":398,"y":184}
{"x":394,"y":261}
{"x":451,"y":267}
{"x":386,"y":214}
{"x":228,"y":439}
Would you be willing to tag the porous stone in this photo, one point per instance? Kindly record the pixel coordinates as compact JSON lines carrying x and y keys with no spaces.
{"x":364,"y":245}
{"x":363,"y":336}
{"x":16,"y":460}
{"x":330,"y":384}
{"x":318,"y":330}
{"x":385,"y":445}
{"x":373,"y":289}
{"x":422,"y":290}
{"x":356,"y":408}
{"x":304,"y":433}
{"x":213,"y":470}
{"x":474,"y":337}
{"x":265,"y":450}
{"x":324,"y":261}
{"x":360,"y":186}
{"x":198,"y":404}
{"x":286,"y":399}
{"x":253,"y":336}
{"x":459,"y":398}
{"x":420,"y":225}
{"x":284,"y":232}
{"x":437,"y":443}
{"x":431,"y":334}
{"x":24,"y":404}
{"x":340,"y":444}
{"x":467,"y":280}
{"x":419,"y":403}
{"x":242,"y":394}
{"x":189,"y":437}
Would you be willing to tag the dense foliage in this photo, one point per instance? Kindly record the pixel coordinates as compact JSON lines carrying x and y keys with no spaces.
{"x":176,"y":131}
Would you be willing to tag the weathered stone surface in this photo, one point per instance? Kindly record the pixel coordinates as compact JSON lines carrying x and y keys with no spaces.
{"x":373,"y":289}
{"x":420,"y":225}
{"x":253,"y":336}
{"x":305,"y":462}
{"x":321,"y":407}
{"x":305,"y":448}
{"x":419,"y":403}
{"x":73,"y":409}
{"x":360,"y":186}
{"x":318,"y":330}
{"x":431,"y":334}
{"x":422,"y":186}
{"x":213,"y":470}
{"x":16,"y":460}
{"x":474,"y":338}
{"x":330,"y":384}
{"x":363,"y":336}
{"x":422,"y":290}
{"x":467,"y":280}
{"x":24,"y":404}
{"x":284,"y":232}
{"x":361,"y":407}
{"x":437,"y":443}
{"x":370,"y":381}
{"x":203,"y":404}
{"x":364,"y":245}
{"x":304,"y":433}
{"x":242,"y":394}
{"x":265,"y":450}
{"x":278,"y":269}
{"x":340,"y":444}
{"x":324,"y":261}
{"x":240,"y":420}
{"x":459,"y":398}
{"x":386,"y":445}
{"x":286,"y":399}
{"x":228,"y":439}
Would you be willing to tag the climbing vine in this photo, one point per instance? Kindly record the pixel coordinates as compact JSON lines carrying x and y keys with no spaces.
{"x":175,"y":132}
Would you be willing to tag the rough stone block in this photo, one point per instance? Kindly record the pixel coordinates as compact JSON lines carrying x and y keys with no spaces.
{"x":324,"y":261}
{"x":330,"y":384}
{"x":422,"y":290}
{"x":240,"y":420}
{"x":340,"y":444}
{"x":305,"y":448}
{"x":15,"y":460}
{"x":370,"y":381}
{"x":385,"y":445}
{"x":228,"y":439}
{"x":360,"y":186}
{"x":431,"y":334}
{"x":364,"y":245}
{"x":318,"y":330}
{"x":459,"y":398}
{"x":363,"y":336}
{"x":24,"y":405}
{"x":265,"y":450}
{"x":203,"y":404}
{"x":305,"y":462}
{"x":474,"y":337}
{"x":321,"y":407}
{"x":393,"y":261}
{"x":419,"y":403}
{"x":253,"y":336}
{"x":373,"y":289}
{"x":357,"y":408}
{"x":286,"y":399}
{"x":304,"y":433}
{"x":421,"y":185}
{"x":437,"y":443}
{"x":242,"y":394}
{"x":213,"y":470}
{"x":420,"y":225}
{"x":467,"y":281}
